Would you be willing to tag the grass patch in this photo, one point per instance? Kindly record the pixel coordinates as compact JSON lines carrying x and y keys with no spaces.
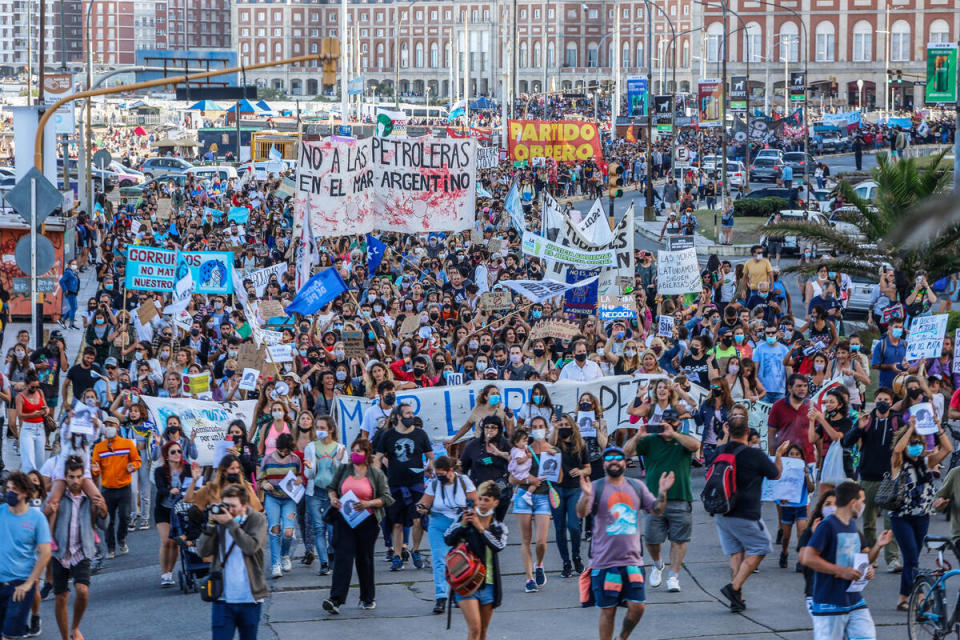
{"x":746,"y":230}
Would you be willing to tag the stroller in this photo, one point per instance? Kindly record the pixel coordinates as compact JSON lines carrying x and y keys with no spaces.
{"x":186,"y":520}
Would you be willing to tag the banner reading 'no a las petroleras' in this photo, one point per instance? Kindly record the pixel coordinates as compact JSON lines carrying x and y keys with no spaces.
{"x":411,"y":185}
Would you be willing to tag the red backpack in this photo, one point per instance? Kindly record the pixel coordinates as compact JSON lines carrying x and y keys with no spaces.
{"x":465,"y":572}
{"x":719,"y":493}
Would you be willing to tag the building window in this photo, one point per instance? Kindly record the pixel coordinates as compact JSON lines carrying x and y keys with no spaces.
{"x":523,"y":14}
{"x":434,"y":55}
{"x":536,"y":14}
{"x":640,"y":61}
{"x":418,"y":55}
{"x":550,"y":13}
{"x":593,"y":14}
{"x":863,"y":42}
{"x":404,"y":62}
{"x":714,"y":39}
{"x":592,"y":55}
{"x":537,"y":62}
{"x":939,"y":31}
{"x":752,"y":43}
{"x":900,"y":41}
{"x":570,"y":59}
{"x":522,"y":57}
{"x":551,"y":54}
{"x":826,"y":42}
{"x":789,"y":42}
{"x":686,"y":54}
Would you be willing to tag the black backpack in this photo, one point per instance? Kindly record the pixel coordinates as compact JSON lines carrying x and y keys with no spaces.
{"x":719,"y":494}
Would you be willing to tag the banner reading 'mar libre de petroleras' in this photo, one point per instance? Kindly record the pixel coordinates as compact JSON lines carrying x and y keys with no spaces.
{"x":347,"y":186}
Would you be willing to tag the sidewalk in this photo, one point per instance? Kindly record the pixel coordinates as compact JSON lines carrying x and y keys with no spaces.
{"x":72,"y":337}
{"x":704,"y":246}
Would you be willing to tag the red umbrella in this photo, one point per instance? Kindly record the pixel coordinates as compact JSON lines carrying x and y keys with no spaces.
{"x":140,"y":131}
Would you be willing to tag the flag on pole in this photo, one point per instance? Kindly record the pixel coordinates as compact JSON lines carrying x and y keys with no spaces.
{"x":319,"y":291}
{"x":275,"y":154}
{"x":384,"y":125}
{"x":515,"y":209}
{"x":375,"y":252}
{"x":306,"y":249}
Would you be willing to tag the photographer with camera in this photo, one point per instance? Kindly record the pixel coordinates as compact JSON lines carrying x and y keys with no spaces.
{"x":235,"y":536}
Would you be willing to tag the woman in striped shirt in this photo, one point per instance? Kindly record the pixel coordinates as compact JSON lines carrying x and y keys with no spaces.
{"x":280,"y":508}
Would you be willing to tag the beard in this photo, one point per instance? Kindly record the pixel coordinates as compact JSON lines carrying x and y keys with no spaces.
{"x":615,"y":471}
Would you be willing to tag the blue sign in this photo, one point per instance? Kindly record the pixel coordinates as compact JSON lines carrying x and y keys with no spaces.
{"x":345,"y":130}
{"x":636,"y":96}
{"x":150,"y":269}
{"x":212,"y":271}
{"x":581,"y":301}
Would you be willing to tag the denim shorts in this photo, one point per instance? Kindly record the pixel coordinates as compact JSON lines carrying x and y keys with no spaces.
{"x":790,"y":515}
{"x":855,"y":625}
{"x":14,"y":616}
{"x":540,"y":506}
{"x":615,"y":585}
{"x":483,"y":595}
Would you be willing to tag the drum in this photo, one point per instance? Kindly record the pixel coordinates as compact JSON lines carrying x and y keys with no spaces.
{"x":900,"y":385}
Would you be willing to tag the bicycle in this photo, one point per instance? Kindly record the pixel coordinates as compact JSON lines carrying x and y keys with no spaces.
{"x":927,"y":608}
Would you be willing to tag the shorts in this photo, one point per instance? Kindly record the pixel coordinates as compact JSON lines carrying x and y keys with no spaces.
{"x":675,"y":525}
{"x":404,"y":508}
{"x":15,"y":616}
{"x":616,"y":585}
{"x":540,"y":506}
{"x":161,"y":514}
{"x":80,"y":573}
{"x":855,"y":625}
{"x":790,"y":515}
{"x":739,"y":535}
{"x":483,"y":595}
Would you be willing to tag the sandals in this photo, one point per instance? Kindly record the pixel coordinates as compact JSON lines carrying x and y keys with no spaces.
{"x":903,"y":606}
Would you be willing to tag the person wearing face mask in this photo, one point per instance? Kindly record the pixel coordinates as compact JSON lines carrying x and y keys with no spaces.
{"x":70,"y":285}
{"x":531,"y":505}
{"x":23,"y":558}
{"x":321,"y":458}
{"x":758,"y":269}
{"x":580,"y":369}
{"x":376,"y":416}
{"x":541,"y":362}
{"x":31,"y":409}
{"x":445,"y":497}
{"x":890,"y":354}
{"x":277,"y":426}
{"x":235,"y":540}
{"x":838,"y":612}
{"x":826,"y":432}
{"x":170,"y":480}
{"x":114,"y":462}
{"x":516,"y":368}
{"x":914,"y":463}
{"x":355,"y":545}
{"x":279,"y":506}
{"x":404,"y":447}
{"x":574,"y":462}
{"x":875,"y":436}
{"x":490,"y":402}
{"x":538,"y":404}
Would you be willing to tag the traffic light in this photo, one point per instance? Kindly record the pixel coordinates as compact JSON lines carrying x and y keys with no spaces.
{"x":899,"y":76}
{"x":889,"y":76}
{"x":330,"y":53}
{"x":615,"y":180}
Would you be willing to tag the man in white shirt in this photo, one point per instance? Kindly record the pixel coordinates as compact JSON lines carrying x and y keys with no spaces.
{"x":379,"y":412}
{"x":581,"y":369}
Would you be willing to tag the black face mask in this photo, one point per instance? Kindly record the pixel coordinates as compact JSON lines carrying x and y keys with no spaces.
{"x":418,"y":371}
{"x":539,"y":352}
{"x":565,"y":433}
{"x":614,"y":472}
{"x":914,"y":393}
{"x":586,"y":406}
{"x":485,"y":348}
{"x":389,"y":398}
{"x":580,"y":357}
{"x":883,"y":406}
{"x":233,"y":478}
{"x":726,"y":341}
{"x":407,"y":422}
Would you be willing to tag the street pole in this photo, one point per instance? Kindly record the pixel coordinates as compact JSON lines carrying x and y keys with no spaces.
{"x":396,"y":57}
{"x":723,"y":114}
{"x":615,"y":68}
{"x":466,"y":71}
{"x":513,"y":60}
{"x":236,"y":107}
{"x":36,"y":310}
{"x":88,"y":124}
{"x":543,"y":50}
{"x":648,"y":212}
{"x":29,"y":54}
{"x":344,"y":72}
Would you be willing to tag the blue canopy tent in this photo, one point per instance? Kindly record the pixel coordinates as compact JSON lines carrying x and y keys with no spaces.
{"x":245,"y":107}
{"x":264,"y":106}
{"x":483,"y":102}
{"x":205,"y":105}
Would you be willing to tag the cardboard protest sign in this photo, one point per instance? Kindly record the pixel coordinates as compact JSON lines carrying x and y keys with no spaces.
{"x":562,"y":329}
{"x":271,"y":309}
{"x":678,"y":272}
{"x":411,"y":324}
{"x":353,"y":343}
{"x":147,"y":312}
{"x":496,"y":301}
{"x":247,"y":356}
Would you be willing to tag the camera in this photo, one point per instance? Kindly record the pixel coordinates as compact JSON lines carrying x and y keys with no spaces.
{"x":218,"y":508}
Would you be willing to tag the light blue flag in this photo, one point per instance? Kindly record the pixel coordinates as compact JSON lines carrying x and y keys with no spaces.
{"x":216,"y":213}
{"x":515,"y":209}
{"x":240,"y":215}
{"x":320,"y":290}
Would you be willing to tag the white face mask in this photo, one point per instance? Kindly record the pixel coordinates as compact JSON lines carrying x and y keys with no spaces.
{"x":484,"y":514}
{"x":828,"y":511}
{"x":322,"y":434}
{"x":110,"y":432}
{"x":278,"y":415}
{"x":539,"y":434}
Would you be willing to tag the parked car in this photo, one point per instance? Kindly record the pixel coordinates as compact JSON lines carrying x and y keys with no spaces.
{"x":126,"y":177}
{"x":766,"y":170}
{"x":822,"y":200}
{"x":843,"y":220}
{"x":790,"y":244}
{"x":867,"y":190}
{"x":208,"y":173}
{"x":834,"y":142}
{"x":736,"y":173}
{"x":861,"y":290}
{"x":157,"y":167}
{"x":775,"y":154}
{"x":798,"y":160}
{"x":135,"y":191}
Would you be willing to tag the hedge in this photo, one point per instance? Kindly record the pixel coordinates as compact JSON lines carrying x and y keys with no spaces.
{"x":759,"y":207}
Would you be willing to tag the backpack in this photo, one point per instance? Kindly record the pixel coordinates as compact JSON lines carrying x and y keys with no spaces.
{"x":719,"y":494}
{"x":465,"y":572}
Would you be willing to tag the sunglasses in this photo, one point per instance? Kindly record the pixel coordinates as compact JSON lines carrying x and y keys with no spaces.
{"x":612,"y":457}
{"x":174,"y":452}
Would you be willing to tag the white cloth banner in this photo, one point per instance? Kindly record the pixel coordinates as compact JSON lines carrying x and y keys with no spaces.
{"x":594,"y":226}
{"x":488,"y":157}
{"x":542,"y":290}
{"x":540,"y":247}
{"x":261,"y":277}
{"x":205,"y":422}
{"x":412,"y":185}
{"x":581,"y":235}
{"x":678,"y":272}
{"x":445,"y":409}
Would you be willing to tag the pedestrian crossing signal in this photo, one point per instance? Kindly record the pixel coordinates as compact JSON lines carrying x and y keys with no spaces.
{"x":615,"y":180}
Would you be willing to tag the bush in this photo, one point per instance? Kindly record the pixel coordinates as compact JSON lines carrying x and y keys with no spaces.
{"x":759,"y":207}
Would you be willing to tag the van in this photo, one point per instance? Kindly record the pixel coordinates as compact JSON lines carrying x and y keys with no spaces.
{"x":209,"y":173}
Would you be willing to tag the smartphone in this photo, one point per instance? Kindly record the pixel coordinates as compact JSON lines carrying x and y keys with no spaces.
{"x":470,"y":503}
{"x":557,"y":411}
{"x":236,"y":440}
{"x":654,"y":428}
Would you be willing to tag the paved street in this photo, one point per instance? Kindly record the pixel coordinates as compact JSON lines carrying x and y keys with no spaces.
{"x":128,"y":604}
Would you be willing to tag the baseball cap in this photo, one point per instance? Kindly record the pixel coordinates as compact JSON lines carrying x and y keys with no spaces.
{"x":110,"y":362}
{"x":491,"y":371}
{"x":614,"y":449}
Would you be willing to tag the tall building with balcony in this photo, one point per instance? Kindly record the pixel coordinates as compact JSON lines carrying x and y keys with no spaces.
{"x":20,"y":34}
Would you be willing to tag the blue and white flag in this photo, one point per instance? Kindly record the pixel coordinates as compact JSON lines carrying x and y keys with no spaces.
{"x":240,"y":215}
{"x":319,"y":291}
{"x":216,"y":213}
{"x":375,"y":252}
{"x":481,"y":192}
{"x":457,"y":109}
{"x":275,"y":154}
{"x":515,"y":209}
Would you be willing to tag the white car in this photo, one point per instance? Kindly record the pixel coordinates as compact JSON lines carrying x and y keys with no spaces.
{"x":866,"y":190}
{"x":790,"y":244}
{"x":773,"y":154}
{"x":209,"y":173}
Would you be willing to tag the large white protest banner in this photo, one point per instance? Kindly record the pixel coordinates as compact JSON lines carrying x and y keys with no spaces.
{"x":594,"y":227}
{"x":592,"y":233}
{"x":925,"y":339}
{"x":614,"y":281}
{"x":678,"y":272}
{"x":542,"y":290}
{"x":412,"y":185}
{"x":445,"y":409}
{"x":488,"y":157}
{"x":540,"y":247}
{"x":205,"y":422}
{"x":261,"y":277}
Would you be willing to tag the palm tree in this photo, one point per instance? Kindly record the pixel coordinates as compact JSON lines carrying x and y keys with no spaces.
{"x":901,"y":187}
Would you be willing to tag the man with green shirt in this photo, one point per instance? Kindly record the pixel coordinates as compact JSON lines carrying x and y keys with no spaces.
{"x":664,"y":451}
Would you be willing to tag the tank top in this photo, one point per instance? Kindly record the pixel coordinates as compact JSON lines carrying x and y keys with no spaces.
{"x":30,"y":407}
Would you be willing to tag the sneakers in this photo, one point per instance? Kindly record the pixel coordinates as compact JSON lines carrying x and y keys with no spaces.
{"x":578,"y":565}
{"x":285,"y":563}
{"x":145,"y":524}
{"x":132,"y":525}
{"x":397,"y":564}
{"x":388,"y":556}
{"x":531,"y":586}
{"x":166,"y":580}
{"x":783,"y":560}
{"x":123,"y":549}
{"x":439,"y":606}
{"x":46,"y":591}
{"x":330,"y":606}
{"x":111,"y":554}
{"x":324,"y":569}
{"x":567,"y":570}
{"x":673,"y":583}
{"x":417,"y":559}
{"x":736,"y":599}
{"x":405,"y":554}
{"x":368,"y":606}
{"x":540,"y":575}
{"x":895,"y":567}
{"x":308,"y":558}
{"x":34,"y":627}
{"x":656,"y":575}
{"x":276,"y":571}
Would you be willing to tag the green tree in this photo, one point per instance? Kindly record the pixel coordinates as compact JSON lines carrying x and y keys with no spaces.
{"x":901,"y":187}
